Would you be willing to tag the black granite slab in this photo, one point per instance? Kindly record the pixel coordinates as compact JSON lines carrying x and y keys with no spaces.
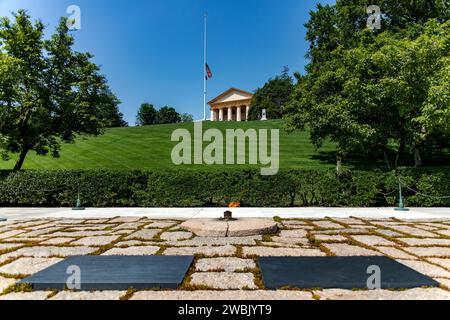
{"x":338,"y":272}
{"x":115,"y":272}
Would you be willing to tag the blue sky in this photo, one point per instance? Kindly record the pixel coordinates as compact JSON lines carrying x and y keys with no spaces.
{"x":152,"y":50}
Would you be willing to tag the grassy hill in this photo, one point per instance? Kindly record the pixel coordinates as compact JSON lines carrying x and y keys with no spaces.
{"x":150,"y":148}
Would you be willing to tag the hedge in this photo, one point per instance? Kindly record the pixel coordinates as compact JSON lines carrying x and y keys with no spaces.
{"x":107,"y":188}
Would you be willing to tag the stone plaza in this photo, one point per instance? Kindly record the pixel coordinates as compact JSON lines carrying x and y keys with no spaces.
{"x":225,"y":265}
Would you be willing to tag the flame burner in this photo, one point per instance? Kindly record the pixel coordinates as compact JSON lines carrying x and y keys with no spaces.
{"x":227,"y":216}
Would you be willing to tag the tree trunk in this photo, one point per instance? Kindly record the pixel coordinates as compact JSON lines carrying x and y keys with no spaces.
{"x":21,"y":159}
{"x":417,"y":156}
{"x":338,"y":164}
{"x":400,"y":151}
{"x":386,"y":158}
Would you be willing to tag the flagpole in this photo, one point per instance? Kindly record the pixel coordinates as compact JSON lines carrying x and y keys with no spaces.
{"x":204,"y":66}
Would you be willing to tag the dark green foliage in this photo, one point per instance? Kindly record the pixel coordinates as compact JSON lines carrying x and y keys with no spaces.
{"x":272,"y":97}
{"x":168,"y":115}
{"x":148,"y":115}
{"x":386,"y":89}
{"x":101,"y":188}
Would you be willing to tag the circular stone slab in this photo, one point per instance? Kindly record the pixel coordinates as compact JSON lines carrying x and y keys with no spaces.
{"x":236,"y":228}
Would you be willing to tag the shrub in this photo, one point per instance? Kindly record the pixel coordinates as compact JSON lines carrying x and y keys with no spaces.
{"x":108,"y":188}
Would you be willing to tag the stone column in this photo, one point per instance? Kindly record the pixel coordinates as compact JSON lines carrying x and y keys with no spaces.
{"x":230,"y":114}
{"x":220,"y":114}
{"x":213,"y":115}
{"x":238,"y":114}
{"x":247,"y":109}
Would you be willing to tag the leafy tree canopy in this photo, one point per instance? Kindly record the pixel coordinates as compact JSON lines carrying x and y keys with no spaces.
{"x":272,"y":97}
{"x":48,"y":92}
{"x":368,"y":89}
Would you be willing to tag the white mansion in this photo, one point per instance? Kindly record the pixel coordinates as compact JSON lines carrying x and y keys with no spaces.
{"x":232,"y":105}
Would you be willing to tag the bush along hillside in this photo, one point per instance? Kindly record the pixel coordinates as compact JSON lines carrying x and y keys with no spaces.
{"x":104,"y":188}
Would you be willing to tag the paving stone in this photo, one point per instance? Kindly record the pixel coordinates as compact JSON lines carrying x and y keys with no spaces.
{"x":226,"y":264}
{"x":42,"y":226}
{"x":343,"y":231}
{"x":227,"y":250}
{"x":281,"y":245}
{"x":302,"y":241}
{"x":71,"y":221}
{"x":51,"y":251}
{"x":224,"y":280}
{"x":361,"y":226}
{"x":97,"y":221}
{"x":444,"y":232}
{"x":128,"y":226}
{"x":40,"y":232}
{"x":425,"y":242}
{"x":5,"y":257}
{"x":176,"y":236}
{"x":395,"y":253}
{"x":443,"y":282}
{"x":282,"y":252}
{"x":10,"y":234}
{"x":326,"y":237}
{"x":28,"y":265}
{"x":412,"y":294}
{"x":429,"y":251}
{"x":161,"y":224}
{"x":124,"y":219}
{"x":146,"y":234}
{"x":88,"y":228}
{"x":414,"y":231}
{"x":250,"y":295}
{"x":442,"y":262}
{"x":6,"y":282}
{"x":79,"y":234}
{"x":121,"y":232}
{"x":27,"y":223}
{"x":86,"y":295}
{"x":25,"y":239}
{"x":132,"y":251}
{"x":388,"y":233}
{"x":348,"y":250}
{"x":349,"y":221}
{"x":426,"y":268}
{"x":426,"y":227}
{"x":95,"y":241}
{"x":59,"y":240}
{"x":35,"y":295}
{"x":130,"y":243}
{"x":294,"y":223}
{"x":328,"y":225}
{"x":299,"y":227}
{"x":9,"y":246}
{"x":215,"y":241}
{"x":373,"y":241}
{"x":298,"y":233}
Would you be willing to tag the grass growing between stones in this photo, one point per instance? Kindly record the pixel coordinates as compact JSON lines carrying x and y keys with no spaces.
{"x":18,"y":287}
{"x":130,"y":292}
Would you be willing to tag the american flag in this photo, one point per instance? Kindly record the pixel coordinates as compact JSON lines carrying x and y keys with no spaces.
{"x":209,"y":73}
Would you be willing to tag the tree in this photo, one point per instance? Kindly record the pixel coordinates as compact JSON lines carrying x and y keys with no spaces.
{"x":273,"y":97}
{"x":168,"y":115}
{"x":147,"y":115}
{"x":48,"y":92}
{"x":365,"y":89}
{"x":186,"y":117}
{"x":111,"y":112}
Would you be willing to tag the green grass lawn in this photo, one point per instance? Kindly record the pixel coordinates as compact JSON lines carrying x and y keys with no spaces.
{"x":150,"y":148}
